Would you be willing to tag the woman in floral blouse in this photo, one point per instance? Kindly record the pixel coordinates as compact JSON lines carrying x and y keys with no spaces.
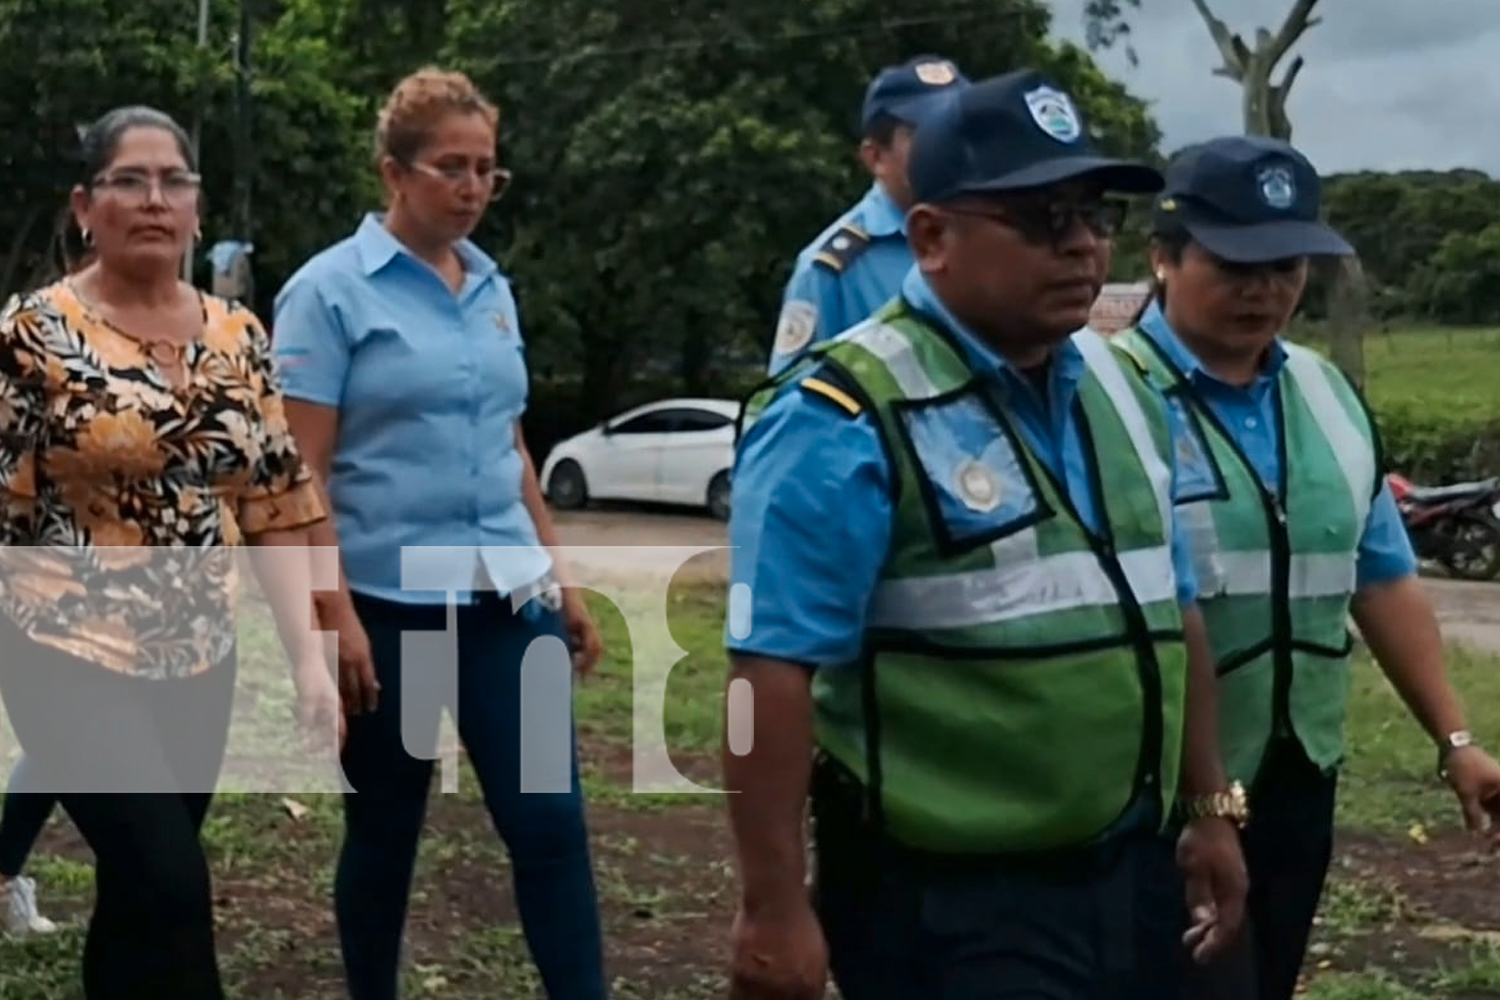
{"x":141,"y":435}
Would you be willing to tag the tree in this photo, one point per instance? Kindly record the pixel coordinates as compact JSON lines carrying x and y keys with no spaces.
{"x":668,"y":168}
{"x":1263,"y":106}
{"x":1263,"y":102}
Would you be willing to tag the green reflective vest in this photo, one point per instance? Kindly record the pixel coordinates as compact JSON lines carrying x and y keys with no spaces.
{"x":1023,"y":680}
{"x":1276,"y":573}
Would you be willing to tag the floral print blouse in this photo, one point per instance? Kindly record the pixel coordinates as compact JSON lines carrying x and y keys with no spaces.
{"x":124,"y":494}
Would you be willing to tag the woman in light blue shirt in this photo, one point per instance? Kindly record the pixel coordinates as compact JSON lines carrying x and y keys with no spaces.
{"x":406,"y":379}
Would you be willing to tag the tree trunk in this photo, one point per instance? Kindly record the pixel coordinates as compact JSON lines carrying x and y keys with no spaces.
{"x":1349,"y":318}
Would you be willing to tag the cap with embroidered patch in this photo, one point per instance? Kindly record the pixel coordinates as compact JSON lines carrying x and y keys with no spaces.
{"x":1020,"y":130}
{"x":1248,"y":199}
{"x":908,"y":92}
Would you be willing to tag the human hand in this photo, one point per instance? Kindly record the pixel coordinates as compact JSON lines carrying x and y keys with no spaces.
{"x":1213,"y":870}
{"x":778,"y":956}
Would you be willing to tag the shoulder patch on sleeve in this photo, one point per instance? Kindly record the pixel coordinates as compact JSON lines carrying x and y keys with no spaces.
{"x":796,"y":326}
{"x":840,"y":249}
{"x":827,"y":384}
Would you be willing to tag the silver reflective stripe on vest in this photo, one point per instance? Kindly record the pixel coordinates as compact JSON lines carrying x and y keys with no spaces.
{"x":1022,"y":583}
{"x":1313,"y":574}
{"x":894,"y":350}
{"x":1355,"y":457}
{"x":1106,"y":368}
{"x":1019,"y":588}
{"x":1230,"y":573}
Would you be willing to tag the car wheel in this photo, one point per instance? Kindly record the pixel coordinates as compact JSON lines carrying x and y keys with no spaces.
{"x":566,"y":487}
{"x":718,"y":496}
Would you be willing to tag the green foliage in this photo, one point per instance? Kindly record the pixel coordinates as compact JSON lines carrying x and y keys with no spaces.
{"x":669,"y":160}
{"x":1421,"y":237}
{"x":1433,"y":392}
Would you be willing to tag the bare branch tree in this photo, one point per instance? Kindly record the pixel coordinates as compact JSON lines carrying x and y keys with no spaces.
{"x":1263,"y":107}
{"x":1263,"y":102}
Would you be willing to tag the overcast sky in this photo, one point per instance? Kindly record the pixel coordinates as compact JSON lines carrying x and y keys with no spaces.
{"x":1388,"y":85}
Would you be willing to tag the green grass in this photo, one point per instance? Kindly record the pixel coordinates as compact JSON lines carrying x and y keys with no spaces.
{"x":662,"y":859}
{"x":1451,"y":368}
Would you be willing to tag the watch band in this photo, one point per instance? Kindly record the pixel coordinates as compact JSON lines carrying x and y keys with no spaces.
{"x":1230,"y":804}
{"x":1456,"y":740}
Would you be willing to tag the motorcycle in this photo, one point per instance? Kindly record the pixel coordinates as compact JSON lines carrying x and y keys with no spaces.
{"x":1457,"y":526}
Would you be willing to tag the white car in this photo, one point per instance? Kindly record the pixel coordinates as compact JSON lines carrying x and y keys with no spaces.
{"x":675,"y":451}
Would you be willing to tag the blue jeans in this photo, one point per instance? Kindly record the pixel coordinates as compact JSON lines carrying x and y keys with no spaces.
{"x":545,"y":832}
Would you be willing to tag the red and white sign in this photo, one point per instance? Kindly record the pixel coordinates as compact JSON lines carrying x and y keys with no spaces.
{"x":1117,"y":305}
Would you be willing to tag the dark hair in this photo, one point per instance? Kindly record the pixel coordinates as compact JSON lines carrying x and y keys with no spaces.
{"x":1172,"y":239}
{"x":99,"y":142}
{"x":882,"y":130}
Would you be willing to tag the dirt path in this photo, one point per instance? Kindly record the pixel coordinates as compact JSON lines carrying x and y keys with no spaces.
{"x":663,"y":542}
{"x":1470,"y":612}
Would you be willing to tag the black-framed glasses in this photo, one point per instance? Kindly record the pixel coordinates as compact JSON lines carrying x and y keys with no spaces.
{"x":495,"y":178}
{"x":177,"y":186}
{"x":1048,"y":221}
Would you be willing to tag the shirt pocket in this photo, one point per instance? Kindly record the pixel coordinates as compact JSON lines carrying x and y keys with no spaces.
{"x":975,"y":482}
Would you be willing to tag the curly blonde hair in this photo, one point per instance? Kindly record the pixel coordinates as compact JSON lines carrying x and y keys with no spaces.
{"x":418,"y":103}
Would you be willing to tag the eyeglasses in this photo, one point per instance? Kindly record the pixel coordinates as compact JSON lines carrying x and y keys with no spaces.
{"x":177,"y":187}
{"x":497,"y":178}
{"x":1048,"y":222}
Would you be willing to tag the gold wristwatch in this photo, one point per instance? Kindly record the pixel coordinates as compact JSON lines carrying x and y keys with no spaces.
{"x":1230,"y":804}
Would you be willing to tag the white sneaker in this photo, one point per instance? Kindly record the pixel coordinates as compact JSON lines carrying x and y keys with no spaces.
{"x":18,"y":909}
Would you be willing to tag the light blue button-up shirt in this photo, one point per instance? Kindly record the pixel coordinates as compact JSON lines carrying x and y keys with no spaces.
{"x":430,"y":385}
{"x":839,"y":299}
{"x":812,"y":516}
{"x":1252,"y":414}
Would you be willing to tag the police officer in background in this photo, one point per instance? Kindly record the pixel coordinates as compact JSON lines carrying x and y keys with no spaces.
{"x":966,"y":612}
{"x":856,"y":265}
{"x":1292,"y":527}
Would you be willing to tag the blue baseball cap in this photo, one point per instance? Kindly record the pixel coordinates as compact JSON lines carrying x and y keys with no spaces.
{"x":1248,"y":199}
{"x":908,"y":92}
{"x":1011,"y":132}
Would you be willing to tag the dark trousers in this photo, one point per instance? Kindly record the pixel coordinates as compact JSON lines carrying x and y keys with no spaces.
{"x":544,"y":831}
{"x":23,"y":816}
{"x":903,"y":927}
{"x":1288,"y":847}
{"x":85,"y":731}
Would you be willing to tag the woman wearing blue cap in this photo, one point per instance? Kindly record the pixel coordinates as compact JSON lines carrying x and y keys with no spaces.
{"x":1292,"y":529}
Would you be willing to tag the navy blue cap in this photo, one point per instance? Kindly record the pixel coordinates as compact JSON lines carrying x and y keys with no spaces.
{"x":907,"y":92}
{"x":1011,"y":132}
{"x":1248,"y":199}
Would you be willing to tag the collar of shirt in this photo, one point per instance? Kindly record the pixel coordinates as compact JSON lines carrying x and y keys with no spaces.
{"x":1155,"y":326}
{"x":377,"y":248}
{"x":1067,"y":362}
{"x":878,"y":214}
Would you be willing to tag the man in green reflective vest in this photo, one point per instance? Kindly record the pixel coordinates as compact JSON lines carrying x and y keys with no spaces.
{"x":961,"y":599}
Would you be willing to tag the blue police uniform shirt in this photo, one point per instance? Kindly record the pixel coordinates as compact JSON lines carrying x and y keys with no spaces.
{"x":429,"y":385}
{"x":811,"y":518}
{"x":821,"y":302}
{"x":1252,"y":414}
